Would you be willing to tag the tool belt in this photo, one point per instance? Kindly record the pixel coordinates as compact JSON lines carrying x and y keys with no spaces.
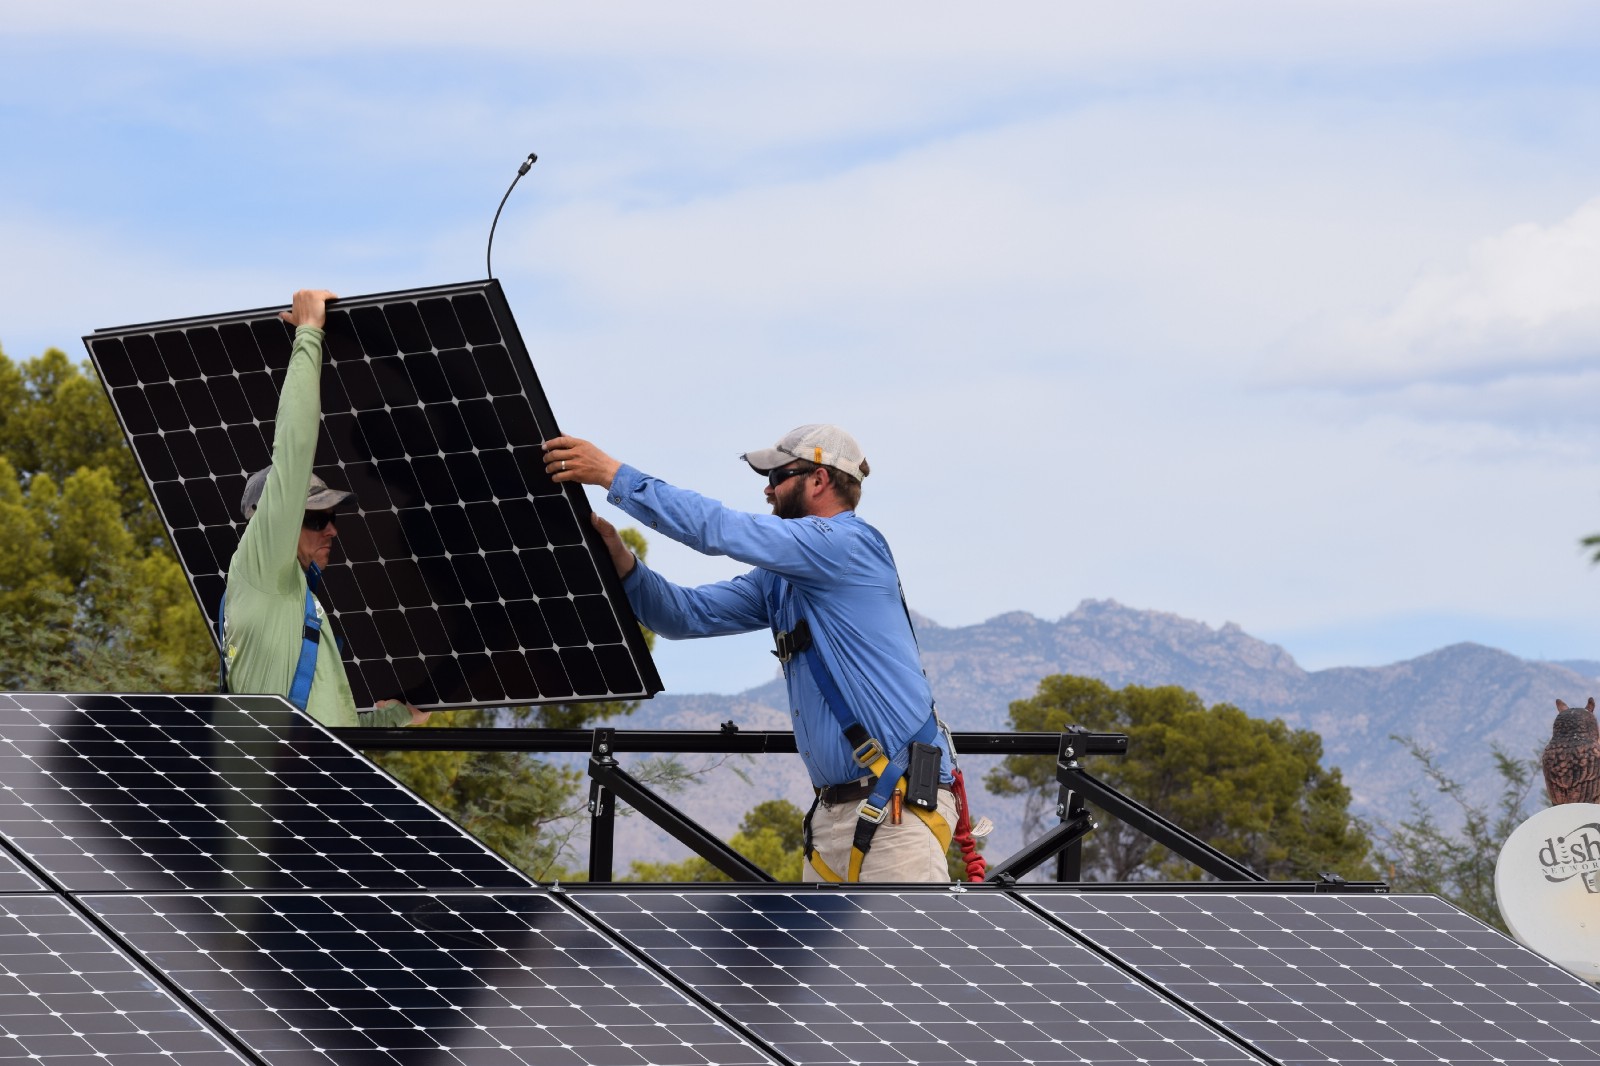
{"x":849,"y":792}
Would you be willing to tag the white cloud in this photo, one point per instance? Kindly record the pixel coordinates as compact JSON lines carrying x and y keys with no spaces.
{"x":1525,"y":300}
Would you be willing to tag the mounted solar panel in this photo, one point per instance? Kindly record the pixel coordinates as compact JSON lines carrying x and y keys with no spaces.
{"x":919,"y":975}
{"x":1346,"y":978}
{"x":416,"y":980}
{"x":154,"y":793}
{"x":69,"y":995}
{"x":467,"y":577}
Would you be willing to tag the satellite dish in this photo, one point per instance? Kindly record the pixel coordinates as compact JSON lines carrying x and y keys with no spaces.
{"x":1547,"y":884}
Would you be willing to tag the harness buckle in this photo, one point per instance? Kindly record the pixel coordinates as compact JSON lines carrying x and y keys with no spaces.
{"x":868,"y":813}
{"x":869,"y":752}
{"x":793,"y":641}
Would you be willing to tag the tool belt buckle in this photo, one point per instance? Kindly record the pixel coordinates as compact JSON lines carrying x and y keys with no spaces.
{"x":869,"y":752}
{"x":868,"y":813}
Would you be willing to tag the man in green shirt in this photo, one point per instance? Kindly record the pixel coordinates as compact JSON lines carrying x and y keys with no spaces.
{"x":288,"y":538}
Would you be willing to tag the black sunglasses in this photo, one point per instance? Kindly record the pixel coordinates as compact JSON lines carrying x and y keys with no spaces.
{"x":317,"y":521}
{"x":778,"y":477}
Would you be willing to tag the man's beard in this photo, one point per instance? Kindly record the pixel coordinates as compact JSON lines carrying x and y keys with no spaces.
{"x":788,"y":505}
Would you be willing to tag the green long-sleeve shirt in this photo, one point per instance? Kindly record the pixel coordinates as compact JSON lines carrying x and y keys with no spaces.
{"x":265,"y":604}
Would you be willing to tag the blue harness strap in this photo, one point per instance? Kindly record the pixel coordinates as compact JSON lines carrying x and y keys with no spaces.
{"x":866,"y":747}
{"x":868,"y":751}
{"x":305,"y":670}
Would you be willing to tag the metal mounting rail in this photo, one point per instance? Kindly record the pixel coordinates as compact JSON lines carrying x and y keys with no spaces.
{"x":733,"y":741}
{"x":609,"y":781}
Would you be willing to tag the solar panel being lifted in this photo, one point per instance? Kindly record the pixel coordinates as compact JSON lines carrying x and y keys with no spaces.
{"x":467,"y":577}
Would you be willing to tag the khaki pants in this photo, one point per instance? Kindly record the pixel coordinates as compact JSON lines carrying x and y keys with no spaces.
{"x":905,"y":852}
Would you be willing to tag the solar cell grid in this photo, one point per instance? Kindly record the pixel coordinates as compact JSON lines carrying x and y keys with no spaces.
{"x":466,"y":578}
{"x":1347,"y":978}
{"x":68,"y":996}
{"x":411,"y":979}
{"x":13,"y":878}
{"x":154,"y":792}
{"x":917,"y":976}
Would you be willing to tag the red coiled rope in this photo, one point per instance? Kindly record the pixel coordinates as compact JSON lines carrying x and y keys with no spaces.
{"x":963,"y":832}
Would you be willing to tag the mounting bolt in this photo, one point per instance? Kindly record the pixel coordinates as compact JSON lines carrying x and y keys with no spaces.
{"x":1061,"y":810}
{"x":605,"y":749}
{"x":1070,"y":752}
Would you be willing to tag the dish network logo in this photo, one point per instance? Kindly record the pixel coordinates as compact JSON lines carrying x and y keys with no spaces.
{"x":1578,"y":852}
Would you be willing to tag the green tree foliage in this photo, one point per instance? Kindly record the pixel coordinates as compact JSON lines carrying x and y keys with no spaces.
{"x":91,"y":595}
{"x":1255,"y":790}
{"x":1422,"y":855}
{"x":525,"y":807}
{"x":769,"y":835}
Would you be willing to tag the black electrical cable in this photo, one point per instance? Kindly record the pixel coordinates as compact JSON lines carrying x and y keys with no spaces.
{"x":488,"y":254}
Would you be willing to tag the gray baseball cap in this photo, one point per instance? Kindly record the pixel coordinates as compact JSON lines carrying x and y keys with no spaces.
{"x":319,"y":497}
{"x":817,"y":443}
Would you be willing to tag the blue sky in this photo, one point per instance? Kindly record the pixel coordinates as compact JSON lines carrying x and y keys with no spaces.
{"x":1284,"y":315}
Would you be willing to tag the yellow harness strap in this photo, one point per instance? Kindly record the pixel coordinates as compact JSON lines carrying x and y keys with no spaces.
{"x":932,"y":819}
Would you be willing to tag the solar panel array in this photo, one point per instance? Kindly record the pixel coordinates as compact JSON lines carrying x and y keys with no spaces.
{"x":209,"y":879}
{"x":467,"y":577}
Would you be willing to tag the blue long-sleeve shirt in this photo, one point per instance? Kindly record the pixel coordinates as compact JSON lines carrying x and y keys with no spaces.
{"x":835,"y":572}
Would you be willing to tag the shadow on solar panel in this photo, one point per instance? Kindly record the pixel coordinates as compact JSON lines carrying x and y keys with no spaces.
{"x":467,"y":578}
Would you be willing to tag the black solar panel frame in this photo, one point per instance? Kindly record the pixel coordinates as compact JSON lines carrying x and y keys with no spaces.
{"x":16,"y":875}
{"x":536,"y":674}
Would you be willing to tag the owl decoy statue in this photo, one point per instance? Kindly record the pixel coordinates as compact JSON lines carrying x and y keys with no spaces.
{"x":1572,"y":758}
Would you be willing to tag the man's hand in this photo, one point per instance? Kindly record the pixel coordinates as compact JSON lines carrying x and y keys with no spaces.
{"x":571,"y":459}
{"x":417,"y":717}
{"x":622,"y":556}
{"x":310,"y":308}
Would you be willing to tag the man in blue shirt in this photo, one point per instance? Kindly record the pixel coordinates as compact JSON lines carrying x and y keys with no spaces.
{"x":825,"y":583}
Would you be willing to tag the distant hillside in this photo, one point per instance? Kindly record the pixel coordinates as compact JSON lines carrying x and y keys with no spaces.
{"x":1587,"y":667}
{"x":1457,"y":701}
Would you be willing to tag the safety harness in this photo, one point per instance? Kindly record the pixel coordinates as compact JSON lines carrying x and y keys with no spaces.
{"x":310,"y":640}
{"x":869,"y":754}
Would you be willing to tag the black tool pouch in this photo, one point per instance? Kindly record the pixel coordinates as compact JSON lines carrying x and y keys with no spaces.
{"x":922,"y":776}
